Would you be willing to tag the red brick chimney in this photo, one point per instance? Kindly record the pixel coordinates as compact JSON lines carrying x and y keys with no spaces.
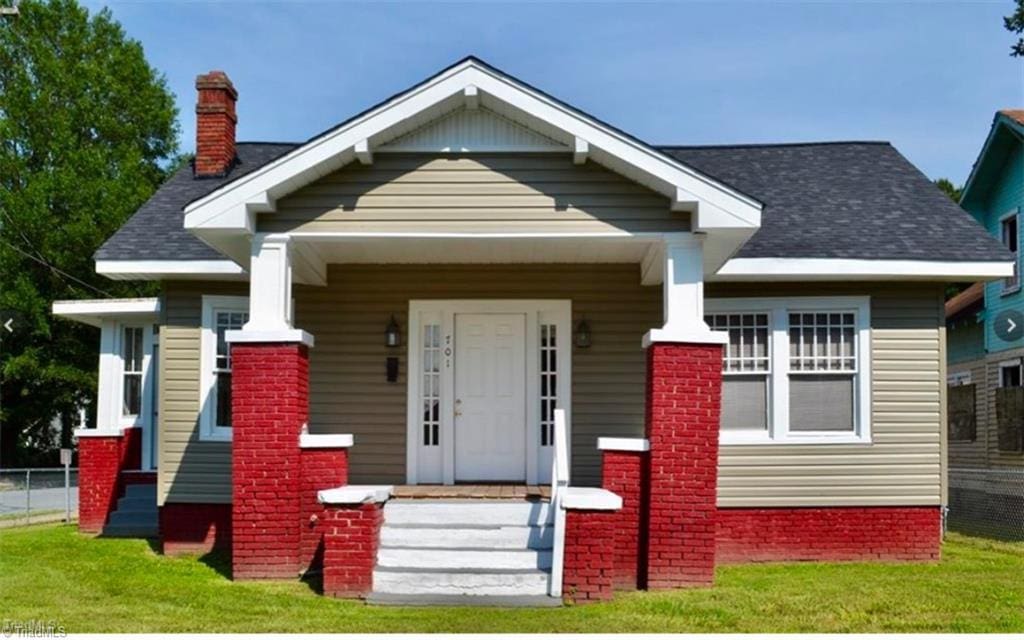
{"x":215,"y":124}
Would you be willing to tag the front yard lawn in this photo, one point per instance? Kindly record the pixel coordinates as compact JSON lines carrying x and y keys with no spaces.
{"x":51,"y":573}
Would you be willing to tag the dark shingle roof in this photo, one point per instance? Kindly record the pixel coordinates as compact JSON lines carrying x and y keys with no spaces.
{"x":157,"y":230}
{"x":852,"y":200}
{"x":857,"y":200}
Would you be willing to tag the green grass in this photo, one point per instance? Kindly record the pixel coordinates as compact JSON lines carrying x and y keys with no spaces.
{"x":51,"y":572}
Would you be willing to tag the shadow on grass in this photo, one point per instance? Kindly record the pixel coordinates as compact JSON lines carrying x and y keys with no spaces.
{"x":218,"y":560}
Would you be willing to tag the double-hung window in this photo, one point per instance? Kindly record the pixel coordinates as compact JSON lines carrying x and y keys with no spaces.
{"x":132,"y":352}
{"x":1009,"y":233}
{"x":220,"y":315}
{"x":746,"y":371}
{"x":794,"y":369}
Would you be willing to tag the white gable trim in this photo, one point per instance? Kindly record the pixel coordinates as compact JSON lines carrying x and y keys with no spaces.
{"x":232,"y":208}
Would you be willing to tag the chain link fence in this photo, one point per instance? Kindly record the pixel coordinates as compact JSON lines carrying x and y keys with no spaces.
{"x":29,"y":496}
{"x":987,"y":502}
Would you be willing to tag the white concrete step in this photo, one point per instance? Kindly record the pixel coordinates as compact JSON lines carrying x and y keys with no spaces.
{"x":498,"y":537}
{"x":453,"y":583}
{"x":429,"y":599}
{"x":456,"y":513}
{"x":461,"y":559}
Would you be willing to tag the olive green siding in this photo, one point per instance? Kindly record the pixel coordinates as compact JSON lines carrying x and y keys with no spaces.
{"x":349,"y":393}
{"x":189,"y":470}
{"x":428,"y":194}
{"x":348,"y":390}
{"x":903,"y":464}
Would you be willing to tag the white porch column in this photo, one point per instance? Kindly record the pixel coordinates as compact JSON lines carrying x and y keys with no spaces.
{"x":270,"y":293}
{"x":683,"y":294}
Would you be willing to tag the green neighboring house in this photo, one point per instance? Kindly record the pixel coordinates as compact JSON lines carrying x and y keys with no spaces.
{"x":986,"y":349}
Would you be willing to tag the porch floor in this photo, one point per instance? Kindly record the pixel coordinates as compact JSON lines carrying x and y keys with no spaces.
{"x":473,"y":492}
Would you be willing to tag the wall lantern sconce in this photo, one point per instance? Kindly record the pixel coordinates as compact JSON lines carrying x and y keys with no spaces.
{"x":582,"y":335}
{"x":393,"y":334}
{"x":392,"y":339}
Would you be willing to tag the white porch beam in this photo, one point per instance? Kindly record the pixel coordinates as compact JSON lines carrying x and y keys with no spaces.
{"x":472,"y":96}
{"x":580,"y":150}
{"x":363,"y":152}
{"x":683,"y":294}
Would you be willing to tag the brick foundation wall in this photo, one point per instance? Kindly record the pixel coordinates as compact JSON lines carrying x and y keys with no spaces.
{"x":829,"y":534}
{"x":321,"y":469}
{"x":684,"y":383}
{"x":195,"y":528}
{"x":101,"y":459}
{"x":269,"y":404}
{"x":351,"y":539}
{"x":623,"y":473}
{"x":589,"y":555}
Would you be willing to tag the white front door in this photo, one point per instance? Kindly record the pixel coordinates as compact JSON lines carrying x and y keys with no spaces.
{"x":490,"y":397}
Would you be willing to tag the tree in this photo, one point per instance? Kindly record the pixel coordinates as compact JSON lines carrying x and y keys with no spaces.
{"x":947,"y":188}
{"x":1014,"y":23}
{"x":86,"y":125}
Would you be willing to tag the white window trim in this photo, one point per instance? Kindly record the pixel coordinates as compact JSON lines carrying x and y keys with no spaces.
{"x":1013,"y":363}
{"x":1011,"y":215}
{"x":557,"y":312}
{"x":778,"y":383}
{"x":208,"y":430}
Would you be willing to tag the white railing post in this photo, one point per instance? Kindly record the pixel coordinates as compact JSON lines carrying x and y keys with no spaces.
{"x":559,"y":483}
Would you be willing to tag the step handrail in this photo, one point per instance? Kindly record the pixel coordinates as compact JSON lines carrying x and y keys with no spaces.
{"x":559,"y":483}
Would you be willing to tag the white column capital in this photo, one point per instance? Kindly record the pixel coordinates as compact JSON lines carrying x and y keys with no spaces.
{"x":683,"y":294}
{"x":270,"y":284}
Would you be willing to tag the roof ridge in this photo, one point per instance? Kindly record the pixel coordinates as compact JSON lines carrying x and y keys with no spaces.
{"x":749,"y":145}
{"x":265,"y":142}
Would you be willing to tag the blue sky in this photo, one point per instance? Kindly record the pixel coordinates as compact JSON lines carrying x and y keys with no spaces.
{"x":926,"y":76}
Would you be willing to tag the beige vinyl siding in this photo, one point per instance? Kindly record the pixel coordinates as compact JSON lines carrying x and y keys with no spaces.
{"x":348,"y":390}
{"x":964,"y":453}
{"x":903,"y":463}
{"x":189,"y":470}
{"x":349,"y":393}
{"x":498,"y":193}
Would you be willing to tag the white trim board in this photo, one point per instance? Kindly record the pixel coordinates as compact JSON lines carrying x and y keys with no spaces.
{"x":179,"y":269}
{"x":764,"y":269}
{"x":93,"y":312}
{"x":442,"y":312}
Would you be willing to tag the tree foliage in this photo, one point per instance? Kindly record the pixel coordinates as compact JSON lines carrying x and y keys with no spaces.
{"x":949,"y":189}
{"x":86,"y":125}
{"x":1014,"y":23}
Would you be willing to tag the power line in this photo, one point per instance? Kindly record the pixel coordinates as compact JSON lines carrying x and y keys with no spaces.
{"x":56,"y":270}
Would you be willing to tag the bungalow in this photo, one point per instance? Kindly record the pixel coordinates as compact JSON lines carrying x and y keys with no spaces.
{"x":475,"y":343}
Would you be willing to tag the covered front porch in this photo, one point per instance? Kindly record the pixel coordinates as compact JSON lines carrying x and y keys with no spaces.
{"x":450,"y":373}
